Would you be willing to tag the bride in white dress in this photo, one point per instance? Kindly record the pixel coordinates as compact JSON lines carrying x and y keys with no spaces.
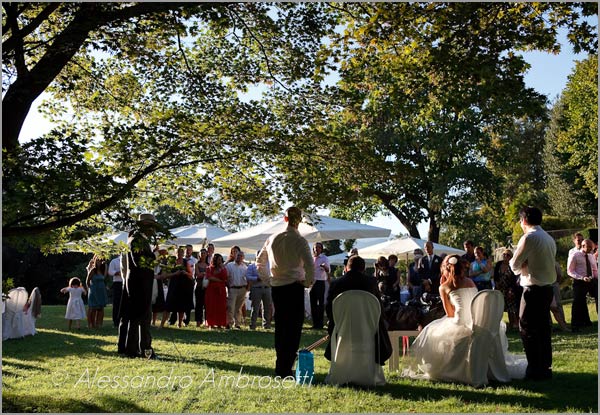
{"x":441,"y":350}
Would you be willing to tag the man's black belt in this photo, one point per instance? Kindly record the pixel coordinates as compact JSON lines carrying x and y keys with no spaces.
{"x":238,"y":286}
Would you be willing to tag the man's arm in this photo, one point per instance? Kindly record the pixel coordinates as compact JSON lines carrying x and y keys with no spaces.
{"x":519,"y":259}
{"x":262,"y":263}
{"x":308,"y":263}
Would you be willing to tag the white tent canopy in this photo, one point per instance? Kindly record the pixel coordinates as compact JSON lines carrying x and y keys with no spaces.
{"x":197,"y":234}
{"x":314,"y":228}
{"x":402,"y":247}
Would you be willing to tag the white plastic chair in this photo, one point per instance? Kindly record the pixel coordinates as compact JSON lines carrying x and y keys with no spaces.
{"x":356,"y":315}
{"x":13,"y":324}
{"x":486,"y":358}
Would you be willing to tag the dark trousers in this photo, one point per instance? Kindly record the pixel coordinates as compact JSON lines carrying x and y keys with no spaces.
{"x":117,"y":288}
{"x":289,"y":317}
{"x":186,"y":317}
{"x":317,"y":303}
{"x":199,"y":310}
{"x":536,"y":330}
{"x":136,"y":315}
{"x":580,"y":315}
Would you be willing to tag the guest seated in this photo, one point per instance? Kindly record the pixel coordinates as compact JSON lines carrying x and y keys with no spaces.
{"x":442,"y":350}
{"x":354,"y":279}
{"x":360,"y":340}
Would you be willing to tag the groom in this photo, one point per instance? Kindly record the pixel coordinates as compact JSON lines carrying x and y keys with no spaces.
{"x":534,"y":260}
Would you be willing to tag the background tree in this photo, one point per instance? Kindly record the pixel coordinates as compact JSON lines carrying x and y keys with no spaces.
{"x":571,"y":150}
{"x":147,"y":99}
{"x":424,"y":90}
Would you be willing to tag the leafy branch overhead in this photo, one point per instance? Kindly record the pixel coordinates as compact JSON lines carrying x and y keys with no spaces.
{"x":402,"y":108}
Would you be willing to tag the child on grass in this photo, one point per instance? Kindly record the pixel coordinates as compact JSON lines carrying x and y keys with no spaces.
{"x":75,"y":306}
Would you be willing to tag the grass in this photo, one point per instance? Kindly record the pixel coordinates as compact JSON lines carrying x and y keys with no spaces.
{"x":79,"y":371}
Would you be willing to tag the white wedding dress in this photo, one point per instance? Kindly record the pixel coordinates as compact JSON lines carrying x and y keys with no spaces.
{"x":441,"y":351}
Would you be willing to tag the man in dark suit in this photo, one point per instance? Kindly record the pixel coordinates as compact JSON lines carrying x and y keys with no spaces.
{"x":353,"y":279}
{"x":135,"y":339}
{"x":428,"y":267}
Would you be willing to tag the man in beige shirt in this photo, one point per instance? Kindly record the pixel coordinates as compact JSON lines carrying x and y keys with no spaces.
{"x":286,"y":259}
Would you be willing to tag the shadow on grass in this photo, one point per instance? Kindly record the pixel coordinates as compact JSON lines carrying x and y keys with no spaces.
{"x":45,"y":403}
{"x":55,"y":343}
{"x":546,"y":397}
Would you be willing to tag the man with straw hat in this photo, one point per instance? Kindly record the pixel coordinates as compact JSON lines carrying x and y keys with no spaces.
{"x":136,"y":303}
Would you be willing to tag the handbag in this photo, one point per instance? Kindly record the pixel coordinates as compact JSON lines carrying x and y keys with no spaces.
{"x":205,"y":282}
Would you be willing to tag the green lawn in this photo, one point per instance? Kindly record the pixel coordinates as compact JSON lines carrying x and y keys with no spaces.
{"x":232,"y":371}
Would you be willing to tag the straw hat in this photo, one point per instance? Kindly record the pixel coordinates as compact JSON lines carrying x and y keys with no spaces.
{"x":147,"y":219}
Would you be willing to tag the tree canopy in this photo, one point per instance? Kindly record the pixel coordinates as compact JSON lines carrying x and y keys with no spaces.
{"x":572,"y":144}
{"x":428,"y":97}
{"x":406,"y":108}
{"x":147,"y":99}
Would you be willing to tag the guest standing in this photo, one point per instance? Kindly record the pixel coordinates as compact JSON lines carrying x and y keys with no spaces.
{"x":508,"y":283}
{"x":292,"y":269}
{"x":583,"y":269}
{"x":97,"y":298}
{"x":199,"y":291}
{"x":135,"y":339}
{"x":317,"y":291}
{"x":215,"y":300}
{"x":429,"y":267}
{"x":534,"y":261}
{"x":480,"y":271}
{"x":237,"y":287}
{"x":114,"y":271}
{"x":181,"y":288}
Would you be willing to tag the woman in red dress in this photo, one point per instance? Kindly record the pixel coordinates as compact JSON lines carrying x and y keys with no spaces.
{"x":215,"y":300}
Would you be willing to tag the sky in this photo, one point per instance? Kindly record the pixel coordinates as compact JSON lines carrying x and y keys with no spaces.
{"x":548,"y":74}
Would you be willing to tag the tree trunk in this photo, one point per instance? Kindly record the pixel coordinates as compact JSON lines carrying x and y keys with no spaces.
{"x":434,"y":229}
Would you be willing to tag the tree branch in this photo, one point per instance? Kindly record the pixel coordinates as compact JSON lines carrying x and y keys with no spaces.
{"x":17,"y":36}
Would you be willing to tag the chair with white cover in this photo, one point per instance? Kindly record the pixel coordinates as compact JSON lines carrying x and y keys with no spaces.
{"x":353,"y":350}
{"x":486,"y":357}
{"x":13,"y":319}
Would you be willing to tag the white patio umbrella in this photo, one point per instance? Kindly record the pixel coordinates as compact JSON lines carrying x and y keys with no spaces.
{"x":402,"y":247}
{"x":197,"y":234}
{"x":314,"y":229}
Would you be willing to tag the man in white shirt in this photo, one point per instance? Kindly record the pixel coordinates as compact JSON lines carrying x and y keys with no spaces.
{"x":114,"y":271}
{"x":534,"y":261}
{"x":236,"y":290}
{"x":291,"y":268}
{"x":583,"y":269}
{"x":577,"y":241}
{"x":317,"y":291}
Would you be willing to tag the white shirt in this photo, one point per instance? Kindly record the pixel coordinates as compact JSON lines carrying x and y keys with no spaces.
{"x":534,"y":258}
{"x":289,"y":257}
{"x":114,"y":268}
{"x":236,"y":274}
{"x":577,"y":266}
{"x":320,"y":273}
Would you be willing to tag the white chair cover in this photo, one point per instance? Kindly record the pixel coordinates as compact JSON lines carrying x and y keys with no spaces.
{"x":13,"y":324}
{"x":486,"y":357}
{"x":356,"y":315}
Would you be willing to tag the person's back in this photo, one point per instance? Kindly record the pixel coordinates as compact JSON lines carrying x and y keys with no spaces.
{"x":287,"y":258}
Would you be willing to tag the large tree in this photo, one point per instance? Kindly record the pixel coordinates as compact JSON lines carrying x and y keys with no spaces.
{"x":572,"y":145}
{"x":148,"y":99}
{"x":424,"y":90}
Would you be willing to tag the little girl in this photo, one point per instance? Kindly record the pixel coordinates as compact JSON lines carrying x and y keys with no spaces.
{"x":75,"y":307}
